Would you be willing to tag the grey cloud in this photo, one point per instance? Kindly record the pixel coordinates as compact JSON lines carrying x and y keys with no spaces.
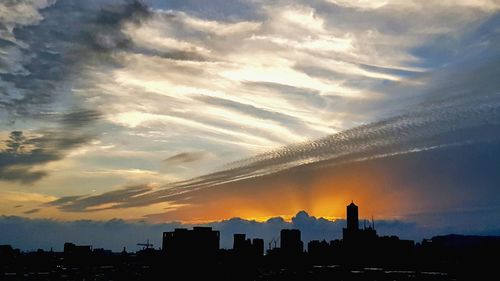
{"x":473,"y":117}
{"x":292,"y":122}
{"x":81,"y":118}
{"x":19,"y":165}
{"x":23,"y":152}
{"x":52,"y":50}
{"x":472,"y":123}
{"x":220,"y":10}
{"x":63,"y":200}
{"x":78,"y":203}
{"x":29,"y":234}
{"x":32,"y":211}
{"x":295,"y":95}
{"x":185,"y":157}
{"x":68,"y":36}
{"x":174,"y":55}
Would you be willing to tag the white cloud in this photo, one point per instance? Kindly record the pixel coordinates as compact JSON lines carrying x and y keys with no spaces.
{"x":184,"y":60}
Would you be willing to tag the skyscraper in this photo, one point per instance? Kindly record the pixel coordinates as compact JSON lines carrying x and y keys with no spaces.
{"x":352,"y":217}
{"x":290,"y":241}
{"x":199,"y":242}
{"x":352,"y":233}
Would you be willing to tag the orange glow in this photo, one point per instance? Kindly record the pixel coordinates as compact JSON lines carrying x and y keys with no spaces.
{"x":321,"y":192}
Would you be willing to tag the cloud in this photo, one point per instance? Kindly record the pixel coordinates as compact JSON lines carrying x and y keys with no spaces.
{"x":49,"y":55}
{"x":39,"y":96}
{"x":23,"y":154}
{"x":185,"y":157}
{"x":32,"y":211}
{"x":277,"y":89}
{"x":432,"y":128}
{"x":266,"y":84}
{"x":116,"y":234}
{"x":228,"y":95}
{"x":101,"y":202}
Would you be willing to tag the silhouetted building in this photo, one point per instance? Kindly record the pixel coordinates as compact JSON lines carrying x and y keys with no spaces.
{"x":258,"y":247}
{"x":352,"y":217}
{"x":290,"y":241}
{"x":319,"y":251}
{"x":195,"y":255}
{"x":241,"y":244}
{"x":199,"y":242}
{"x":352,"y":233}
{"x":77,"y":250}
{"x":8,"y":253}
{"x":246,"y":247}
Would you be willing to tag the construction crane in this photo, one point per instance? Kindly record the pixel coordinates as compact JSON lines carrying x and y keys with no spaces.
{"x":146,"y":245}
{"x":273,"y":241}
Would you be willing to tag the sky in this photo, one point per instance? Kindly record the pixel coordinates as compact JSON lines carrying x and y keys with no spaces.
{"x":151,"y":114}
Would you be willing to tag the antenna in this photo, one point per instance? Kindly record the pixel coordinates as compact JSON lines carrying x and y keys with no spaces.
{"x":146,"y":245}
{"x":373,"y":223}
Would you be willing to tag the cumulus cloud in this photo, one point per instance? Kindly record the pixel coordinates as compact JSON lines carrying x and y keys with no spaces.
{"x":116,"y":234}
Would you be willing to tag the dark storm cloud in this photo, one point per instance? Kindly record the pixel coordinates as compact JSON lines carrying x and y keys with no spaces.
{"x":116,"y":234}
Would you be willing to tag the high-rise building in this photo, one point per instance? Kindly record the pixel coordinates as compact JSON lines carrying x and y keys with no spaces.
{"x":200,"y":242}
{"x":290,"y":241}
{"x":247,"y":247}
{"x":258,"y":246}
{"x":352,"y":217}
{"x":240,"y":243}
{"x":352,"y":233}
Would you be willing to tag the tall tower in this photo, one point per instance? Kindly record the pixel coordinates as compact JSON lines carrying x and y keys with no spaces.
{"x":352,"y":217}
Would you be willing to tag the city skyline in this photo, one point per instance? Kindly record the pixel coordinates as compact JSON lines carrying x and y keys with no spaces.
{"x":117,"y":235}
{"x":185,"y":253}
{"x":204,"y":241}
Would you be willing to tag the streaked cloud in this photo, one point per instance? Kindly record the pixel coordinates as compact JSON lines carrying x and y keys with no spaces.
{"x":185,"y":157}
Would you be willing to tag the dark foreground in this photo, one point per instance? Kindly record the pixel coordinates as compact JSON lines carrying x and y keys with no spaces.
{"x":448,"y":258}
